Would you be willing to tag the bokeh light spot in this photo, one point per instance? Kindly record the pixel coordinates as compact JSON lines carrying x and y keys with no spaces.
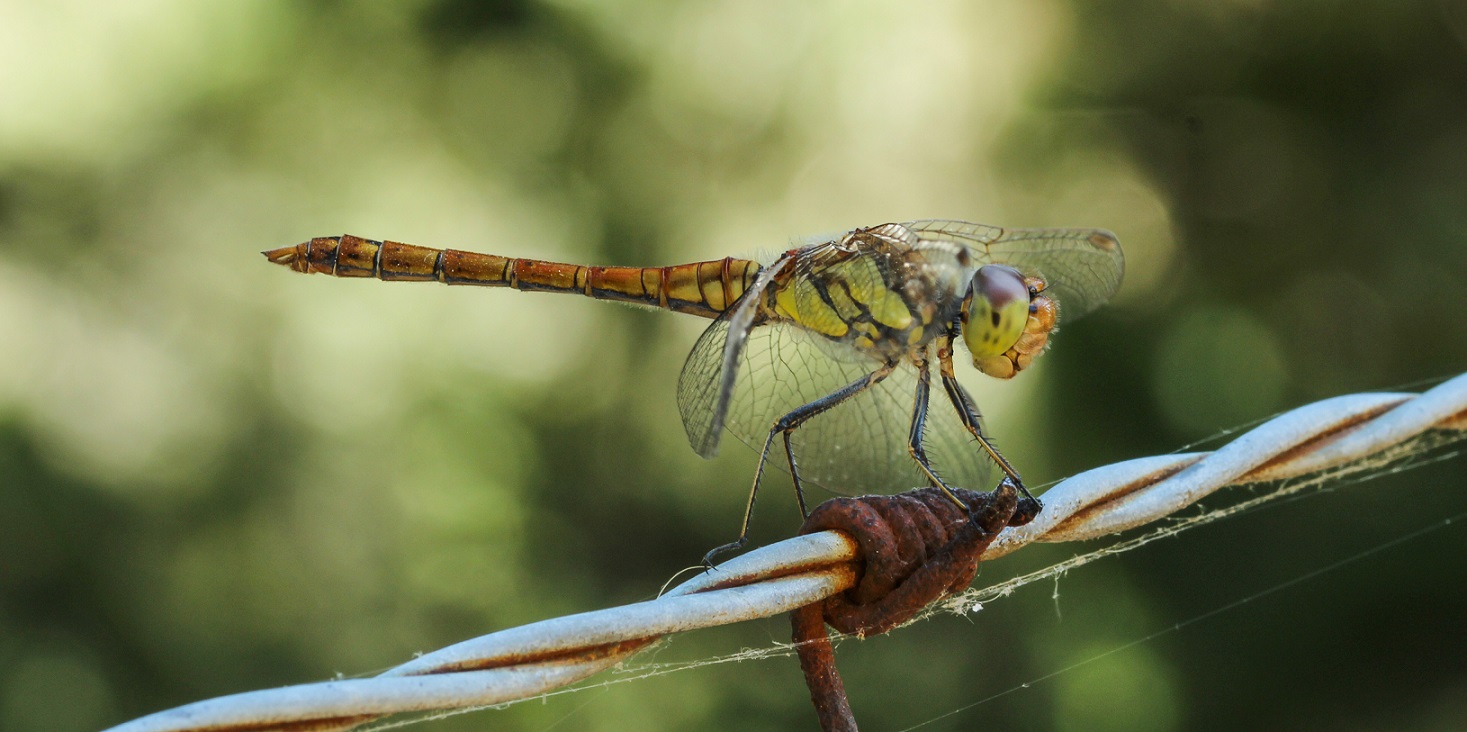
{"x":1130,"y":691}
{"x":54,"y":688}
{"x":1216,"y":368}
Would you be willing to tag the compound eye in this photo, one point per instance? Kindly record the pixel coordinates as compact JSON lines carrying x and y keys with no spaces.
{"x":996,"y":311}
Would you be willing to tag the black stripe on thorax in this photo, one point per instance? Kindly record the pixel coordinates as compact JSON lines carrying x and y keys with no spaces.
{"x":820,"y":289}
{"x":865,"y":312}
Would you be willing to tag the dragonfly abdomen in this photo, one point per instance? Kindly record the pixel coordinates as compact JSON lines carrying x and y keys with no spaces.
{"x":698,"y":288}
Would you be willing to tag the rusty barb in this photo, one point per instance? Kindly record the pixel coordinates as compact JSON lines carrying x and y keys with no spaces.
{"x":1326,"y":437}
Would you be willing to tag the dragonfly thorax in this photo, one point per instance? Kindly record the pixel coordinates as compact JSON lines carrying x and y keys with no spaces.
{"x":872,"y":289}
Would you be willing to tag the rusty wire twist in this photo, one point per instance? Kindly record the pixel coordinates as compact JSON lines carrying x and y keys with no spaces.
{"x":534,"y":659}
{"x":916,"y":547}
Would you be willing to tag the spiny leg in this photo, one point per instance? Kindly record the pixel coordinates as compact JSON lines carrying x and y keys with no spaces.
{"x":786,"y":425}
{"x":919,"y":420}
{"x":968,"y":411}
{"x":789,"y":453}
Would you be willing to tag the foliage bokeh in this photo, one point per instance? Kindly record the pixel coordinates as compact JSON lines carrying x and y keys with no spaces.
{"x":217,"y":476}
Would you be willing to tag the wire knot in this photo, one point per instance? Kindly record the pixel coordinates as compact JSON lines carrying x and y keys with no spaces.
{"x":917,"y":547}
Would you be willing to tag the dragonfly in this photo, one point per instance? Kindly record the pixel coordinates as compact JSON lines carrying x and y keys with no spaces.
{"x":830,"y":348}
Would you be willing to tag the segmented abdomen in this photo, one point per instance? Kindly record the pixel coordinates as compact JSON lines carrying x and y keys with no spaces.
{"x":698,"y":288}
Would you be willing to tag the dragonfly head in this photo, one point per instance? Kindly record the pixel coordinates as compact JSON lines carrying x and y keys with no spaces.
{"x":1006,"y":320}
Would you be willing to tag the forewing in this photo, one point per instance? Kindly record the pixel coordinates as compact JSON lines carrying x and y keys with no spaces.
{"x":1083,"y":267}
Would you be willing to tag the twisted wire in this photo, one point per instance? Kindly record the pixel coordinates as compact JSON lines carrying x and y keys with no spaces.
{"x":534,"y":659}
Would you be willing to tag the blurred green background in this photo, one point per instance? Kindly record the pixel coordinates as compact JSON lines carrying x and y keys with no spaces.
{"x":217,"y":476}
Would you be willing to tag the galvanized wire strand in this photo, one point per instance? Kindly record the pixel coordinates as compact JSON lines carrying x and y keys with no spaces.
{"x":534,"y":659}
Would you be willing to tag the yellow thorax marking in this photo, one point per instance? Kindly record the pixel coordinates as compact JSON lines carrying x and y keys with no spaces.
{"x":867,"y":287}
{"x":800,"y":301}
{"x":844,"y":305}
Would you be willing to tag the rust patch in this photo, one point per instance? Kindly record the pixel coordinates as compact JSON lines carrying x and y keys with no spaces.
{"x":917,"y":547}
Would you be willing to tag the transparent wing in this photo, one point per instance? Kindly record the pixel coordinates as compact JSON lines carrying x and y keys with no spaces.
{"x":700,"y":387}
{"x":1082,"y":266}
{"x":706,"y":384}
{"x":859,"y":446}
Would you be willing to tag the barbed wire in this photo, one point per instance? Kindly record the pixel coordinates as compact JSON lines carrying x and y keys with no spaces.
{"x":534,"y":659}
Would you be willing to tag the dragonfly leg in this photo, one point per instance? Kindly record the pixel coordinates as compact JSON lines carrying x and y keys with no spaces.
{"x":919,"y":421}
{"x":789,"y":453}
{"x":914,"y":439}
{"x":968,"y":411}
{"x":785,"y":426}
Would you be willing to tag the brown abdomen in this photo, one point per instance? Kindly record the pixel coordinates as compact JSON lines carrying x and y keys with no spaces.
{"x":698,"y":288}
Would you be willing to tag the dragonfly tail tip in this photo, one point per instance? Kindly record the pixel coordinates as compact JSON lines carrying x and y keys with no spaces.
{"x":284,"y":256}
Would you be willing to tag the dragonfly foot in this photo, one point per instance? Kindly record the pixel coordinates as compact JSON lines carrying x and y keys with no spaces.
{"x":726,"y":548}
{"x":1015,"y":482}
